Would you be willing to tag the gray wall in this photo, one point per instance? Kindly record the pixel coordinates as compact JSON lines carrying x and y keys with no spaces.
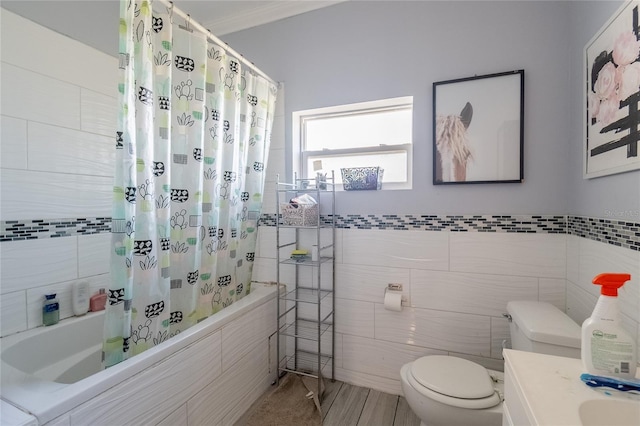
{"x":360,"y":51}
{"x":615,"y":196}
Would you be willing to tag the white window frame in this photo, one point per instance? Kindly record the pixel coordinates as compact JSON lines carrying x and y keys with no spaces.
{"x":300,"y":155}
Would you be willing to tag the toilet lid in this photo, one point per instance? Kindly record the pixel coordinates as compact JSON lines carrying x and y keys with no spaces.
{"x":454,"y":377}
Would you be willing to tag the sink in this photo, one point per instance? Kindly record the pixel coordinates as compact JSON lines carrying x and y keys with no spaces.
{"x":610,"y":412}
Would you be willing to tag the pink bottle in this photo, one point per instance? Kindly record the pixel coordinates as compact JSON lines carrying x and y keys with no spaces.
{"x":97,"y":301}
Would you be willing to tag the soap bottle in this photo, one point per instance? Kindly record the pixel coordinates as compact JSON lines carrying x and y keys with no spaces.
{"x":607,"y":349}
{"x":50,"y":310}
{"x":98,"y":301}
{"x":80,"y":298}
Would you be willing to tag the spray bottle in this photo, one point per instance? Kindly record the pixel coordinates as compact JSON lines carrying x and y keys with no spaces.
{"x":607,"y":349}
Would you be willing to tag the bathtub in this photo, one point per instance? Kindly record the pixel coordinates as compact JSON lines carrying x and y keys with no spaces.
{"x":49,"y":372}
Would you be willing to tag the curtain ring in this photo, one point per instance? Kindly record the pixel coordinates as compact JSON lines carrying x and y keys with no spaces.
{"x":170,"y":10}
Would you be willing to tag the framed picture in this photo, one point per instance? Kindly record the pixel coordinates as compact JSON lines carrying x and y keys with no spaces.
{"x":612,"y":77}
{"x":478,"y":129}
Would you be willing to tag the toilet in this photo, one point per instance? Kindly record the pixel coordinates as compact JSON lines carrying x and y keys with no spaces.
{"x":447,"y":390}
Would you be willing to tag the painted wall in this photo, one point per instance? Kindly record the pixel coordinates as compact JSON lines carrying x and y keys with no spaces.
{"x":616,"y":196}
{"x":361,"y":51}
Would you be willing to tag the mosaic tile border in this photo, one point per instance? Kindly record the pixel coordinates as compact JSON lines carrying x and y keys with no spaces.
{"x":551,"y":224}
{"x":616,"y":232}
{"x":17,"y":230}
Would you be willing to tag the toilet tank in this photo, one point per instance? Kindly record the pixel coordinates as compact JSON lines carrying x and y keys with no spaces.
{"x":542,"y":328}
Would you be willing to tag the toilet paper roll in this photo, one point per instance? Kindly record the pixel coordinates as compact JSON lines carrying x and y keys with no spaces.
{"x":393,"y":301}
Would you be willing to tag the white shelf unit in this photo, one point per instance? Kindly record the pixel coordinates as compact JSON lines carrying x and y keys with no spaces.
{"x":306,"y":301}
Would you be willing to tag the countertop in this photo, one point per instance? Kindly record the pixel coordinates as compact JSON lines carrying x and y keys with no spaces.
{"x":551,"y":387}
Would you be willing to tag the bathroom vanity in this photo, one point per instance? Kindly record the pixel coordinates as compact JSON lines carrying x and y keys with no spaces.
{"x":547,"y":390}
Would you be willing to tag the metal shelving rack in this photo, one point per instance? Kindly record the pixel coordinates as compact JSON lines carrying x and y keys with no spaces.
{"x":310,"y":336}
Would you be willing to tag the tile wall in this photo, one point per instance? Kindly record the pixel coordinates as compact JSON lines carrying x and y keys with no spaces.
{"x":456,"y":284}
{"x":56,"y":174}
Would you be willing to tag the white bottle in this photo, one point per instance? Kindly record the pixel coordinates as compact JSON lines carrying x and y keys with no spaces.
{"x":80,"y":298}
{"x":607,"y":349}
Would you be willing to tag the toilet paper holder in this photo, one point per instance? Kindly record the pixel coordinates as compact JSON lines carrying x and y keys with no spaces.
{"x":393,"y":287}
{"x":393,"y":297}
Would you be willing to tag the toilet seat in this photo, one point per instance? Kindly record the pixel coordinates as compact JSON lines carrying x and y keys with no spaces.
{"x":453,"y":381}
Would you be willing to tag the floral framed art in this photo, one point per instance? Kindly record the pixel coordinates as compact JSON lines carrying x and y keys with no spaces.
{"x":612,"y":76}
{"x":478,"y":129}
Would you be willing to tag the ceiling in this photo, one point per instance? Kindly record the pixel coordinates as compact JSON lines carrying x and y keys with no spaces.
{"x":77,"y":19}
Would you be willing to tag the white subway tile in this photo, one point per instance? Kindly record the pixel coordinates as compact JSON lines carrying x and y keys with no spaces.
{"x":69,"y":151}
{"x":381,"y":358}
{"x":246,"y":377}
{"x":264,"y":270}
{"x":447,"y":331}
{"x":266,"y":242}
{"x":63,"y":291}
{"x":13,"y":149}
{"x":35,"y":297}
{"x":39,"y":49}
{"x":597,"y":257}
{"x":629,"y":325}
{"x":499,"y":333}
{"x":490,"y":363}
{"x":63,"y":420}
{"x":99,"y":114}
{"x":580,"y":303}
{"x":368,"y":283}
{"x":36,"y":97}
{"x":532,"y":255}
{"x":399,"y":249}
{"x":43,"y":195}
{"x":13,"y":316}
{"x":554,"y":291}
{"x":94,"y":253}
{"x":36,"y":263}
{"x":337,"y":351}
{"x":177,"y":417}
{"x":309,"y":345}
{"x":369,"y":380}
{"x":354,"y":317}
{"x":180,"y":377}
{"x":573,"y":258}
{"x":96,"y":282}
{"x":242,"y":335}
{"x":481,"y":294}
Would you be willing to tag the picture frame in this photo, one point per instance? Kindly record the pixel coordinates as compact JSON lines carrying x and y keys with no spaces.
{"x":612,"y":96}
{"x":478,"y":129}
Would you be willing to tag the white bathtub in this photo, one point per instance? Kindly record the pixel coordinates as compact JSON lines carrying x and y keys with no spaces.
{"x":54,"y":371}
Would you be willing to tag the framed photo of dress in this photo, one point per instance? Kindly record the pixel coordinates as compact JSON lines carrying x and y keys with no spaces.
{"x":478,"y":129}
{"x":612,"y":95}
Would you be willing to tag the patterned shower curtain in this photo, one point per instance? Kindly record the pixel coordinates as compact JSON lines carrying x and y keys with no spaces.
{"x":192,"y":143}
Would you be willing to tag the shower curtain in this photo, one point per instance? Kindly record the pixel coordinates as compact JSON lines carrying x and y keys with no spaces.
{"x":193,"y":136}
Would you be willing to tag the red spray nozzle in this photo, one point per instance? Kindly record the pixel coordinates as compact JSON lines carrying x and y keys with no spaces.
{"x":611,"y":282}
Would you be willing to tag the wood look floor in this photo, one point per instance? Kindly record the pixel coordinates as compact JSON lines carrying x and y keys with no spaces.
{"x":349,"y":405}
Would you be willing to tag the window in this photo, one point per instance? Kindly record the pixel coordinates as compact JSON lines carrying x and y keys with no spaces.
{"x":377,"y":133}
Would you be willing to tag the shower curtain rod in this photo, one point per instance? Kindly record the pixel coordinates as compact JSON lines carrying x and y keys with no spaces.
{"x":190,"y":22}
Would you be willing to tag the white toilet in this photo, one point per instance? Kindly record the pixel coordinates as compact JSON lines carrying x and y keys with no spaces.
{"x":446,"y":390}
